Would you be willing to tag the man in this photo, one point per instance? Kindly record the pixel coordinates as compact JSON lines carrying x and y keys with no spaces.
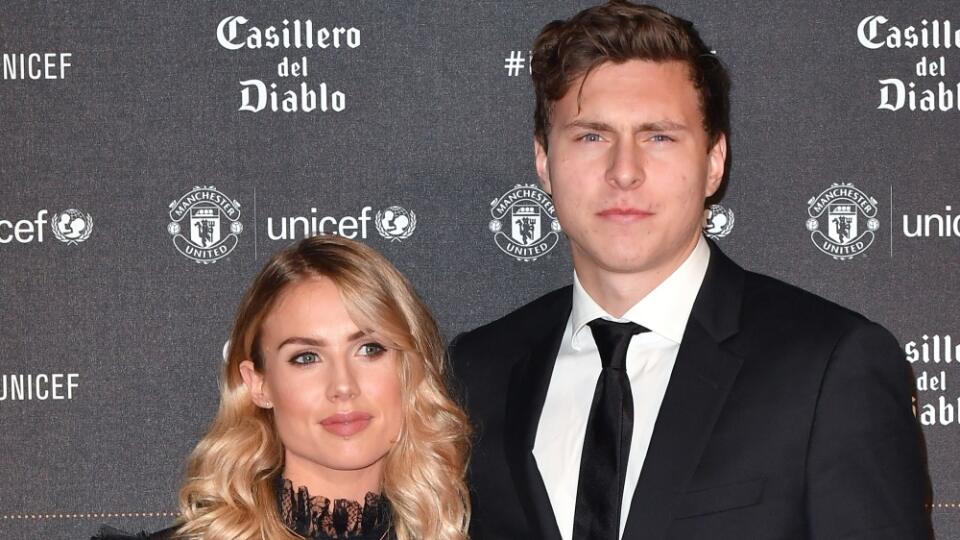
{"x":670,"y":394}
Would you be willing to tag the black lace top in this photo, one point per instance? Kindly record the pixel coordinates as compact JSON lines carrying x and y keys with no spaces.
{"x":320,"y":518}
{"x":316,"y":518}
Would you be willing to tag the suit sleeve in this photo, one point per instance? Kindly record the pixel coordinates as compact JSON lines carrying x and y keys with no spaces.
{"x":865,"y":475}
{"x":455,"y":376}
{"x":458,"y":386}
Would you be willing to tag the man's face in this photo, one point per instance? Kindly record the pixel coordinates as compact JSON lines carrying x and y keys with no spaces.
{"x":629,"y":167}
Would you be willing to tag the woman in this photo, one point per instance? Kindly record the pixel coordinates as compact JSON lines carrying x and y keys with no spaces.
{"x":334,"y":421}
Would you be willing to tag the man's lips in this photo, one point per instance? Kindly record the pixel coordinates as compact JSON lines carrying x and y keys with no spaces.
{"x":624,"y":214}
{"x":346,"y":424}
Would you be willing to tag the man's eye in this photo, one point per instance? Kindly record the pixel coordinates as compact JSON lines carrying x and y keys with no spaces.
{"x":305,"y":358}
{"x":371,"y":349}
{"x":659,"y":137}
{"x":591,"y":137}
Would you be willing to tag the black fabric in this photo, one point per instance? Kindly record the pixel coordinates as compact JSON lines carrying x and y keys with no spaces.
{"x":606,"y":444}
{"x":320,"y":518}
{"x":313,"y":517}
{"x":786,"y":417}
{"x":109,"y":533}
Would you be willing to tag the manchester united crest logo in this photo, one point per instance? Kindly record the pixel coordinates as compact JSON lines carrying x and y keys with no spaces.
{"x":205,"y":224}
{"x":843,"y":221}
{"x":524,"y":223}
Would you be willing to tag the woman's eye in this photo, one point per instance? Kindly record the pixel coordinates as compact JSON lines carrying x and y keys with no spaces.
{"x":305,"y":358}
{"x":371,"y":349}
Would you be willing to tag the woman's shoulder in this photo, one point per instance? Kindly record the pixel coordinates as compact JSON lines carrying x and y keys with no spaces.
{"x":109,"y":533}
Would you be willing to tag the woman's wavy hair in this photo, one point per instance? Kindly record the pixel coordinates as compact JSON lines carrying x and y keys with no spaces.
{"x":229,"y":492}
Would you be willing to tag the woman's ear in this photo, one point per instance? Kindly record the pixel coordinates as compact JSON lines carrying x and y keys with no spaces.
{"x":253,"y":380}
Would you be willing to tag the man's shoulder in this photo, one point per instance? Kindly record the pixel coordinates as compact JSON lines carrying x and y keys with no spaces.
{"x":521,"y":326}
{"x":779,"y":310}
{"x":771,"y":295}
{"x":755,"y":303}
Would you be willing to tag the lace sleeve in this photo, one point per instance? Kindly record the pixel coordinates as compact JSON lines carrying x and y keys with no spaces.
{"x":109,"y":533}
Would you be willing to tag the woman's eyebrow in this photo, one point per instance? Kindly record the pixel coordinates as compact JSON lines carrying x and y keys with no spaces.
{"x":316,"y":342}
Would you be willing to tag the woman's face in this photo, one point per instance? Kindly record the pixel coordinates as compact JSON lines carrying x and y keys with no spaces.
{"x":334,"y":389}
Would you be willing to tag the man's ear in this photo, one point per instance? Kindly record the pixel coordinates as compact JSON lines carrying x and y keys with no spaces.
{"x":716,"y":163}
{"x":253,"y":380}
{"x":543,"y":170}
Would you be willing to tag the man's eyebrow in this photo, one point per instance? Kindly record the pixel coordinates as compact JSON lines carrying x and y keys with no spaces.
{"x":316,"y":342}
{"x":585,"y":124}
{"x":660,"y":125}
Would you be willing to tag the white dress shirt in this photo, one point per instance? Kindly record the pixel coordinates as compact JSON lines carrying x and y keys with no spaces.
{"x":650,"y":359}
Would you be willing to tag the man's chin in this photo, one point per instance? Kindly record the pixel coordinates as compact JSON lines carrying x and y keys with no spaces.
{"x":620,"y":259}
{"x":622,"y":263}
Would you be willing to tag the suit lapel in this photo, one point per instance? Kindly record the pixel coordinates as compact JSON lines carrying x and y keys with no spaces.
{"x":702,"y":377}
{"x":525,"y":396}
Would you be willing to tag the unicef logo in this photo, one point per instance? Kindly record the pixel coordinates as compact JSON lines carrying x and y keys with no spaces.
{"x":72,"y":226}
{"x":395,"y":223}
{"x":718,"y":221}
{"x":842,"y":210}
{"x":213,"y":224}
{"x":524,"y":223}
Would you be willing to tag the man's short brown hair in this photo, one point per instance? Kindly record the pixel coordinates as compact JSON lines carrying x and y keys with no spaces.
{"x":616,"y":32}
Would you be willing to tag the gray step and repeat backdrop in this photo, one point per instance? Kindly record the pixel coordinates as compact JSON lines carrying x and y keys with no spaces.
{"x":154,"y":154}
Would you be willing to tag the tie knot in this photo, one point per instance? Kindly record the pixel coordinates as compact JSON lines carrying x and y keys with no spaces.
{"x":612,"y":340}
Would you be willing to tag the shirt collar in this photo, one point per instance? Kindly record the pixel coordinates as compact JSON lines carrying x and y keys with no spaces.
{"x":664,"y":310}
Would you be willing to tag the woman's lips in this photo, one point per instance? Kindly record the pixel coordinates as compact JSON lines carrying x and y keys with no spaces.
{"x":346,"y":424}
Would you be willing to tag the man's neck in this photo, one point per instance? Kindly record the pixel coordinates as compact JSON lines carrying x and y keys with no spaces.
{"x":617,"y":292}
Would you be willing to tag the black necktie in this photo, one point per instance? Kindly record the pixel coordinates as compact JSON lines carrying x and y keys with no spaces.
{"x":606,"y":446}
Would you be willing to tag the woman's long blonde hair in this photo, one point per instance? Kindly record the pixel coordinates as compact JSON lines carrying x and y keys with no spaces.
{"x":229,"y":492}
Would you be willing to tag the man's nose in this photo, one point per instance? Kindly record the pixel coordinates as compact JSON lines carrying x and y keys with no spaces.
{"x":626,"y":164}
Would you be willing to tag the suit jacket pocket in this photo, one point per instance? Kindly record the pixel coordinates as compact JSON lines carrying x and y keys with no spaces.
{"x":720,"y":498}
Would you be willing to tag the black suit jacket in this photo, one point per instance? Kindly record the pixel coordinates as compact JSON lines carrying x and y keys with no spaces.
{"x":786,"y":417}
